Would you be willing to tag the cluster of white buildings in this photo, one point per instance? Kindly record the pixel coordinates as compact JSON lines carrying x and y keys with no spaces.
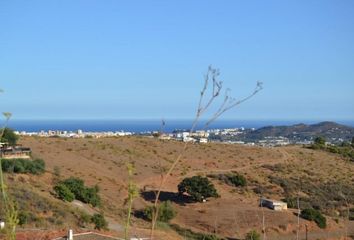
{"x":228,"y":131}
{"x":199,"y":136}
{"x":74,"y":134}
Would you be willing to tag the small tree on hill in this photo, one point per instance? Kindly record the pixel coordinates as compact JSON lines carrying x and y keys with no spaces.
{"x":321,"y":141}
{"x":314,"y":215}
{"x":99,"y":221}
{"x":166,"y":212}
{"x":198,"y":188}
{"x":64,"y":192}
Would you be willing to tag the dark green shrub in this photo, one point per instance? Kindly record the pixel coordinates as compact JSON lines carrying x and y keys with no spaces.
{"x":36,"y":166}
{"x":237,"y":180}
{"x":198,"y":188}
{"x":23,"y":218}
{"x":165,"y":214}
{"x":253,"y":235}
{"x":291,"y":201}
{"x":314,"y":215}
{"x":81,"y":192}
{"x":321,"y":141}
{"x":64,"y":192}
{"x":99,"y":221}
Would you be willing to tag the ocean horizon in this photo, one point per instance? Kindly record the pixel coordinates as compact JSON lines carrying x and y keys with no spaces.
{"x":143,"y":125}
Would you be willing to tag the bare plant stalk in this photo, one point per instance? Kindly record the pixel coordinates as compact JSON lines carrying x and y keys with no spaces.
{"x":263,"y":221}
{"x":132,"y":194}
{"x":227,"y":104}
{"x":11,"y":213}
{"x":298,"y":216}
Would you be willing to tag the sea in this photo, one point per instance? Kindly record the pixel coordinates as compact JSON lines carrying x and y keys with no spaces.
{"x":145,"y":125}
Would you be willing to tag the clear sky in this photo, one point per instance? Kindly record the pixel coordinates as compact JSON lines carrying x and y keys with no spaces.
{"x":146,"y":59}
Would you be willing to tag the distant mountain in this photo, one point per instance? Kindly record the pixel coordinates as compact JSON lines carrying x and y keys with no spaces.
{"x":330,"y":130}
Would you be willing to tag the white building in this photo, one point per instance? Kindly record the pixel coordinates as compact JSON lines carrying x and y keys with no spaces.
{"x":273,"y":204}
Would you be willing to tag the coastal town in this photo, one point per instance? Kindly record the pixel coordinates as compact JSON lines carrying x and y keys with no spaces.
{"x":227,"y":136}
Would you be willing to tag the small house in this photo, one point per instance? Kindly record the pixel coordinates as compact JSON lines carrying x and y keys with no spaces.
{"x":12,"y":152}
{"x":273,"y":204}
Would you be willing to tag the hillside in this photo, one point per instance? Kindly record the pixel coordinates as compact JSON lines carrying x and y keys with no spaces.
{"x":321,"y":178}
{"x":330,"y":130}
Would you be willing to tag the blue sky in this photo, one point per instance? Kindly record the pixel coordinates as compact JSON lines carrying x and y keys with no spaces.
{"x":146,"y":59}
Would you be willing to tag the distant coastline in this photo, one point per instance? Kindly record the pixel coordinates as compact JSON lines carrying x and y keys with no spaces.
{"x":142,"y":125}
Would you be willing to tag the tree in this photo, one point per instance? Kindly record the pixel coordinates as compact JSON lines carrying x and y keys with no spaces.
{"x":320,"y":141}
{"x":314,"y":215}
{"x":99,"y":221}
{"x":9,"y":136}
{"x":198,"y":188}
{"x":237,"y":180}
{"x":253,"y":235}
{"x":352,"y":141}
{"x":81,"y":192}
{"x":165,"y":213}
{"x":64,"y":192}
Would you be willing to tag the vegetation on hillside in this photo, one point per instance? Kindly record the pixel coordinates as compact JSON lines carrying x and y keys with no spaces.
{"x":253,"y":235}
{"x":38,"y":211}
{"x":232,"y":179}
{"x":191,"y":235}
{"x":99,"y":221}
{"x":345,"y":149}
{"x":314,"y":215}
{"x":36,"y":166}
{"x":165,"y":213}
{"x":198,"y":187}
{"x":75,"y":187}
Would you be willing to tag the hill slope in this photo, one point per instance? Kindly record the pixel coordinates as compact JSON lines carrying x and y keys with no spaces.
{"x":270,"y":172}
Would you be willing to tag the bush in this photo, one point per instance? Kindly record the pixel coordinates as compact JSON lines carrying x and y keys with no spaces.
{"x":23,"y":218}
{"x":99,"y":221}
{"x":237,"y":180}
{"x":321,"y":141}
{"x":198,"y":188}
{"x":314,"y":215}
{"x":64,"y":192}
{"x":189,"y":234}
{"x":85,"y":194}
{"x":232,"y":179}
{"x":253,"y":235}
{"x":36,"y":166}
{"x":165,"y":214}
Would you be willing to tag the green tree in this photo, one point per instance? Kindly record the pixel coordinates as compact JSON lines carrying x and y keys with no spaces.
{"x":76,"y":186}
{"x":64,"y":192}
{"x":314,"y":215}
{"x":9,"y":136}
{"x":99,"y":221}
{"x":165,"y":213}
{"x":352,"y":141}
{"x":253,"y":235}
{"x":81,"y":192}
{"x":321,"y":141}
{"x":237,"y":180}
{"x":198,"y":188}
